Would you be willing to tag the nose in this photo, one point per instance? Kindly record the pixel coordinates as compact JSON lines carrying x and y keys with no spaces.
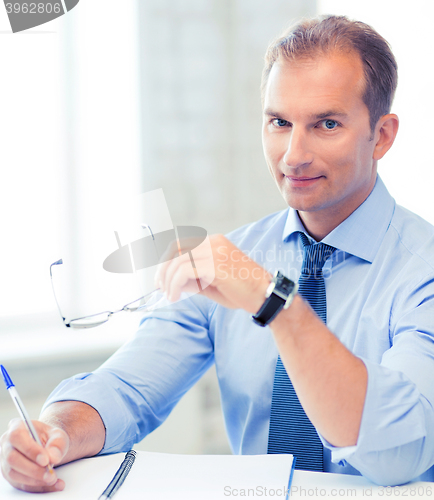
{"x":298,"y":152}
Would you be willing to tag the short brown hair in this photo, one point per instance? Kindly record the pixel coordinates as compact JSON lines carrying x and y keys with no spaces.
{"x":321,"y":35}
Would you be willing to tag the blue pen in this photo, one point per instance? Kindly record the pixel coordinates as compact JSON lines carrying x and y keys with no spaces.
{"x":10,"y":386}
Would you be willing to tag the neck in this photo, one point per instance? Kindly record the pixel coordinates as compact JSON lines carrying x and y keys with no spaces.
{"x":320,"y":223}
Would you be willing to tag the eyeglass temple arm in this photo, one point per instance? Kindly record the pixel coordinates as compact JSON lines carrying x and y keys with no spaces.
{"x":148,"y":227}
{"x":57,"y":263}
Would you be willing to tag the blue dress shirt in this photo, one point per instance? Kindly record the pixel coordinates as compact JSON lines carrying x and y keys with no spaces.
{"x":380,"y":304}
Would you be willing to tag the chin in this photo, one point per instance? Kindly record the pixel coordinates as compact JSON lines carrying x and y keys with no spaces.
{"x":296,"y":202}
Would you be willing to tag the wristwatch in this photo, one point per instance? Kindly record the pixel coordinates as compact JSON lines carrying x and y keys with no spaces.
{"x":278,"y":296}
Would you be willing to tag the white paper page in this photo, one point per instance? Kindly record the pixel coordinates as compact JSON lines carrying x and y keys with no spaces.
{"x":200,"y":477}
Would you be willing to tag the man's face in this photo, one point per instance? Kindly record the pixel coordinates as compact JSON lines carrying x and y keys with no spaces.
{"x":316,"y":135}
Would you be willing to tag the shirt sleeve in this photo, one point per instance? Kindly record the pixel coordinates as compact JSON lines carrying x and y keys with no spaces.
{"x":135,"y":390}
{"x":396,"y":437}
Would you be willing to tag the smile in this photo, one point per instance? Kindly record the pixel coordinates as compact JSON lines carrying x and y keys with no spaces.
{"x":302,"y":181}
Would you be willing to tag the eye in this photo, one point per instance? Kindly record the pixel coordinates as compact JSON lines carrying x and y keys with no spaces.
{"x":278,"y":122}
{"x":329,"y":124}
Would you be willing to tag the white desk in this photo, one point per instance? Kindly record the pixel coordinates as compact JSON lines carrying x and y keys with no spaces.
{"x":86,"y":479}
{"x":341,"y":486}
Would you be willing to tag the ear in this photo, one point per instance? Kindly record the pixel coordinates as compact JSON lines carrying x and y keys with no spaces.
{"x":385,"y":133}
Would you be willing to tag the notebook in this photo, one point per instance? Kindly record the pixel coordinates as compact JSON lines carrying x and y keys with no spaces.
{"x":158,"y":476}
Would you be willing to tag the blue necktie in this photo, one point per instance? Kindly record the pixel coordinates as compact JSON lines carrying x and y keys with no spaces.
{"x":290,"y":429}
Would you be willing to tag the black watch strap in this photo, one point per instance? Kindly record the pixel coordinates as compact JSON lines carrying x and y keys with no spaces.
{"x":269,"y":310}
{"x":279,"y":295}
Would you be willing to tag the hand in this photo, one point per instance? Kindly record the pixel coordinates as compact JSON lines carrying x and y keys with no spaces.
{"x":222,"y":272}
{"x":24,"y":462}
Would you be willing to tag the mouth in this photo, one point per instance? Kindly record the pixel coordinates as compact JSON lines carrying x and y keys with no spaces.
{"x":302,"y":181}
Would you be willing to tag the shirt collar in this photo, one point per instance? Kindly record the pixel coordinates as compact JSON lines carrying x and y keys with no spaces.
{"x":362,"y":232}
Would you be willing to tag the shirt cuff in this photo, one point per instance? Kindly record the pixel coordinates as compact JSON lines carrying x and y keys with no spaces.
{"x":86,"y":388}
{"x":392,"y":415}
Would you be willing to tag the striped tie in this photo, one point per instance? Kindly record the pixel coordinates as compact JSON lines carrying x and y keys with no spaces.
{"x":290,"y":429}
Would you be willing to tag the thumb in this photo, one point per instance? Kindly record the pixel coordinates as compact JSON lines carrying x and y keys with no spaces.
{"x":57,"y":445}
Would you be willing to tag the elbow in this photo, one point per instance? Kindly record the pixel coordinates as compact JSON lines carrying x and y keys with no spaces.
{"x":395,"y":466}
{"x":388,"y":477}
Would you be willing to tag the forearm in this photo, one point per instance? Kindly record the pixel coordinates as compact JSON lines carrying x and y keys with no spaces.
{"x":83,"y":425}
{"x":329,"y":380}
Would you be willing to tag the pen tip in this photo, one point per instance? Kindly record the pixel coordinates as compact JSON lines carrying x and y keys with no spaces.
{"x":6,"y":378}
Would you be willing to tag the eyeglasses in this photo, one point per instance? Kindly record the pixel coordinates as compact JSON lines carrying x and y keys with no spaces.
{"x":144,"y":304}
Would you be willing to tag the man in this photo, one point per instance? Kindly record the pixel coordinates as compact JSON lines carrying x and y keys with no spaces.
{"x":361,"y":367}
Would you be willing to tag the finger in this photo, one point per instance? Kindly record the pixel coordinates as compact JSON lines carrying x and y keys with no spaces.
{"x":171,"y":252}
{"x":47,"y":480}
{"x":174,"y":251}
{"x":205,"y":267}
{"x":199,"y":271}
{"x":19,"y":438}
{"x":171,"y":270}
{"x":57,"y":445}
{"x":204,"y":258}
{"x":183,"y":279}
{"x":14,"y":462}
{"x":26,"y":484}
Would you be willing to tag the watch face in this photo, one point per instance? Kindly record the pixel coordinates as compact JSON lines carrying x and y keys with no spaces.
{"x":285,"y":285}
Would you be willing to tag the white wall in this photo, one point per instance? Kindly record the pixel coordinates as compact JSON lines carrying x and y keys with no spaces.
{"x":201,"y":64}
